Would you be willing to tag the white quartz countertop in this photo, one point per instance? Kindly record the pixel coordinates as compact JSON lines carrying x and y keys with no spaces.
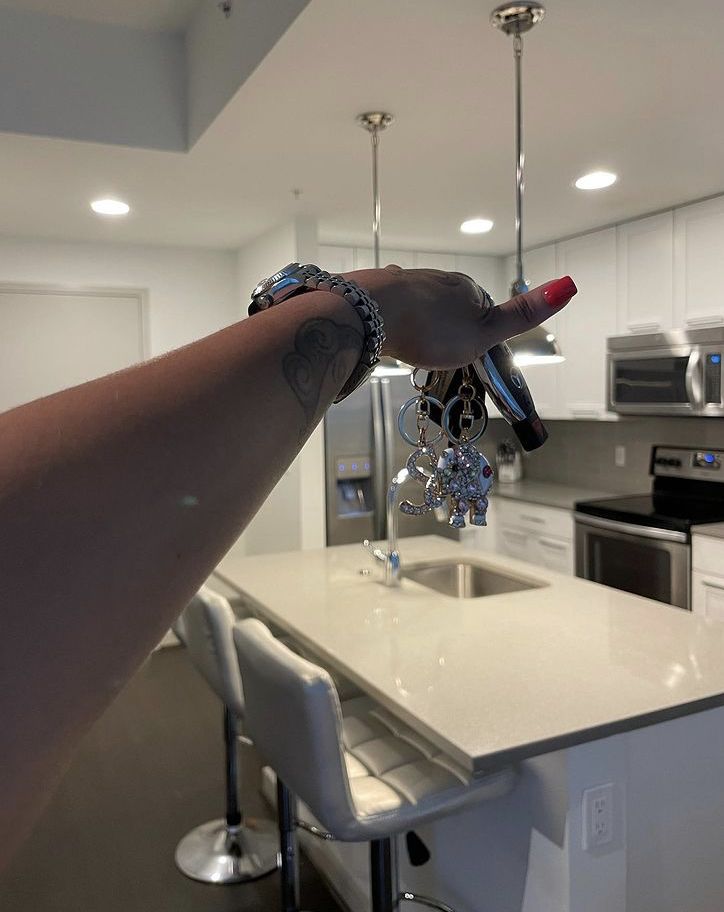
{"x":711,"y":530}
{"x":496,"y":679}
{"x":547,"y":494}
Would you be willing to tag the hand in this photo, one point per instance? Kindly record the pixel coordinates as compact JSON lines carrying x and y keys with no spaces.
{"x":438,"y":320}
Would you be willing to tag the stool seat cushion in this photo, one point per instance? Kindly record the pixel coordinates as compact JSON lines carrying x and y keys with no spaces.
{"x":363,"y":773}
{"x":394,"y":771}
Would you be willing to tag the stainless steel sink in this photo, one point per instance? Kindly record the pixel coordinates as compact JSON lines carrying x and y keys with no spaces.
{"x":462,"y":579}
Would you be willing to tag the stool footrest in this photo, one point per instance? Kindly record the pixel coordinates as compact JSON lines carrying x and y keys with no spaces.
{"x":406,"y":896}
{"x":314,"y":830}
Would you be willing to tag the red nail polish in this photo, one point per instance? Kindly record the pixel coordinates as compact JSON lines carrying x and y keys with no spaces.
{"x":559,"y":291}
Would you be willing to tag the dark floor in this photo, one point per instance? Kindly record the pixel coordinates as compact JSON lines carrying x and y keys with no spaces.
{"x":149,"y":771}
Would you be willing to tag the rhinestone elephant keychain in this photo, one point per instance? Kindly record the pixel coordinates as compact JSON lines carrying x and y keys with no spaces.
{"x":461,"y":475}
{"x":465,"y":475}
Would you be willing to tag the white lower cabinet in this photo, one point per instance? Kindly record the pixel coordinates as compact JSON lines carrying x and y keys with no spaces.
{"x":535,"y":534}
{"x":707,"y":595}
{"x":707,"y":576}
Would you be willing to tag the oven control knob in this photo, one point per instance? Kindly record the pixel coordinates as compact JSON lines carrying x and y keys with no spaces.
{"x":707,"y":461}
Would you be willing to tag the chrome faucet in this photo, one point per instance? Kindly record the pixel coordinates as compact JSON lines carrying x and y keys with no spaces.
{"x":391,"y":558}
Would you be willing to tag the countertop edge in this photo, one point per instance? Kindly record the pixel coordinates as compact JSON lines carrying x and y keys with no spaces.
{"x":500,"y":759}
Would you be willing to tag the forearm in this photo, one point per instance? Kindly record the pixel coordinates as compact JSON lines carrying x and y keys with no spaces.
{"x":117,"y":498}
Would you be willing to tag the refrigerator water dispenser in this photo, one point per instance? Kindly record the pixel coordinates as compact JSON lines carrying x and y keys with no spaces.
{"x":354,"y":486}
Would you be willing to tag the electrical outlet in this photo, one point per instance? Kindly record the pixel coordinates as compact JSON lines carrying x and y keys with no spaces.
{"x":597,"y":816}
{"x":619,"y":456}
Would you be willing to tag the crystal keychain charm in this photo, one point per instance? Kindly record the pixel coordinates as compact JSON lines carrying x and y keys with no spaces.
{"x":424,"y":449}
{"x":461,"y":476}
{"x":464,"y":474}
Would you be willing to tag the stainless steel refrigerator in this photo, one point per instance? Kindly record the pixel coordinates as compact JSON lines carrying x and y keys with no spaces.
{"x":363,"y":450}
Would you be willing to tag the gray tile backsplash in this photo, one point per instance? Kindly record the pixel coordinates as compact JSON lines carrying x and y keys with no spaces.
{"x":581,"y":453}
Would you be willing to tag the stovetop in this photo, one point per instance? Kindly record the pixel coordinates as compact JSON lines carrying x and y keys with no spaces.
{"x":662,"y":511}
{"x":688,"y":490}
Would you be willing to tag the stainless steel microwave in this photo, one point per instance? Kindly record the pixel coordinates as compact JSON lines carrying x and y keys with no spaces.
{"x":671,"y":373}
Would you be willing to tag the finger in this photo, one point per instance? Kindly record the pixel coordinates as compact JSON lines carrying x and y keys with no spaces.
{"x":527,"y":310}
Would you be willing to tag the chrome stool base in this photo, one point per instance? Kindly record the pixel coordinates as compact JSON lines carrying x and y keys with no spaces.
{"x":221,"y":854}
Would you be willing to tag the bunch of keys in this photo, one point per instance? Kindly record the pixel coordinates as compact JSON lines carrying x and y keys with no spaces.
{"x":461,"y":476}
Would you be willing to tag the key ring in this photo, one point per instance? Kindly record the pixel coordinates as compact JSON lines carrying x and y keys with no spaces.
{"x":401,"y":421}
{"x":446,"y":415}
{"x":431,"y":380}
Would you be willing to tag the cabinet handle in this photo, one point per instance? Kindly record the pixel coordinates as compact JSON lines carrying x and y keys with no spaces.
{"x":585,"y":412}
{"x":512,"y":533}
{"x":711,"y":585}
{"x":533,"y":519}
{"x":554,"y":545}
{"x":713,"y":320}
{"x":644,"y":327}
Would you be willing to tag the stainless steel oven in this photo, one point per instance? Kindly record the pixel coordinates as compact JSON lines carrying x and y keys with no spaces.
{"x":672,"y":373}
{"x":647,"y":561}
{"x":641,"y":543}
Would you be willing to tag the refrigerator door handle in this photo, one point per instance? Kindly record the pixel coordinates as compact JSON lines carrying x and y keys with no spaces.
{"x":380,"y":459}
{"x":390,"y":425}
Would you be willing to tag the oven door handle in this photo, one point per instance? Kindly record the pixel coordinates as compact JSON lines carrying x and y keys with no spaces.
{"x":693,"y":379}
{"x":616,"y":525}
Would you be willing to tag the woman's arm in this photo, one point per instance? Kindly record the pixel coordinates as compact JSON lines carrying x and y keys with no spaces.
{"x":118,"y":497}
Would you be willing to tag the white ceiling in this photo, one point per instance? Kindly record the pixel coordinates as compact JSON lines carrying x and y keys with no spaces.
{"x":603,"y":89}
{"x":158,"y":15}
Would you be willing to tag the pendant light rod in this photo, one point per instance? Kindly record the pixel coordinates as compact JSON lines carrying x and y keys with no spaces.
{"x":515,"y":19}
{"x":374,"y":122}
{"x":520,"y":283}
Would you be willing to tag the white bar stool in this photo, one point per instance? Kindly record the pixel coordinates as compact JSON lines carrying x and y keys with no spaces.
{"x":364,"y":775}
{"x":229,"y":850}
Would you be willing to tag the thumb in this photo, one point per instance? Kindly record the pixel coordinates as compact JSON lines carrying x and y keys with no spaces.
{"x":525,"y":311}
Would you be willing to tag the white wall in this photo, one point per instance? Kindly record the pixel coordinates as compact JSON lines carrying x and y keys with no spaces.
{"x":293,"y":515}
{"x":191,"y":292}
{"x":91,"y":81}
{"x":222,"y":53}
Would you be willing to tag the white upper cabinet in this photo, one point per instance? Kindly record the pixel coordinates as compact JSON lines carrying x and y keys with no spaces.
{"x":698,"y":250}
{"x":486,"y":271}
{"x":364,"y":258}
{"x":435,"y":261}
{"x":587,"y":322}
{"x":336,"y":259}
{"x":405,"y":259}
{"x":539,"y":266}
{"x":645,"y":283}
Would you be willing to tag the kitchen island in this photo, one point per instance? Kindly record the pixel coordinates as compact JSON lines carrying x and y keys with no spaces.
{"x":577,"y":684}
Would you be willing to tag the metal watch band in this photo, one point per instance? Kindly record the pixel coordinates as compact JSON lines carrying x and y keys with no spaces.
{"x":369,"y":314}
{"x":295,"y":279}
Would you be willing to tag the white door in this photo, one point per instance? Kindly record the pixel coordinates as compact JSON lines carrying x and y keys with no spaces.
{"x":645,"y":279}
{"x":698,"y":248}
{"x":587,"y":322}
{"x":51,"y":339}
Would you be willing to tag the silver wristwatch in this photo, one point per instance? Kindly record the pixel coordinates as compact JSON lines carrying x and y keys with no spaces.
{"x":296,"y":279}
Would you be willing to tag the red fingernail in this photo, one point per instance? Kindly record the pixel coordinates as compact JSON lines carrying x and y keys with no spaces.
{"x":559,"y":291}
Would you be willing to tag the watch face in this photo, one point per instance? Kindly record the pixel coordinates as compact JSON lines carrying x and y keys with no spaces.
{"x":264,"y":286}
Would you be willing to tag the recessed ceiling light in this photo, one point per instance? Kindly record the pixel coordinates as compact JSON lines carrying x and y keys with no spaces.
{"x":476,"y":226}
{"x":596,"y":180}
{"x":110,"y":207}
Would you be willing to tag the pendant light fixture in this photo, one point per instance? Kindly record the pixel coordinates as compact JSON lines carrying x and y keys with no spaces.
{"x":538,"y":345}
{"x":374,"y":122}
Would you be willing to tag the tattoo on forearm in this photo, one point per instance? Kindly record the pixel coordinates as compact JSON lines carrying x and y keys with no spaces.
{"x":322,"y":348}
